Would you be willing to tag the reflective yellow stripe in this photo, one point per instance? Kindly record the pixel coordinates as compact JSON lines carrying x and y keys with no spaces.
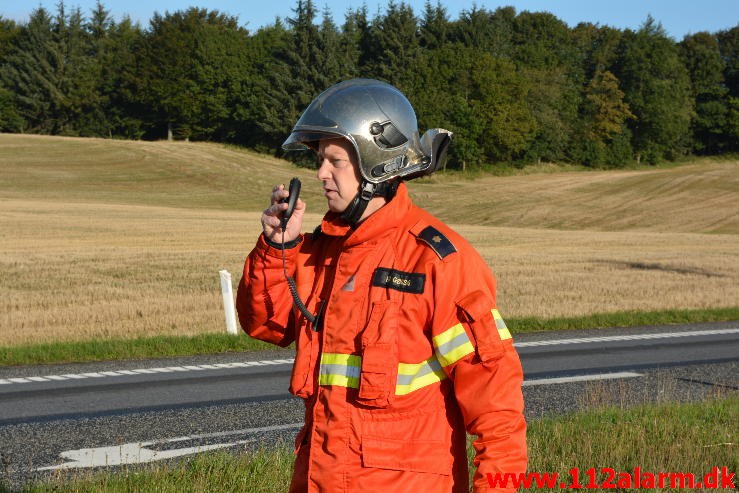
{"x":343,"y":370}
{"x":452,"y":345}
{"x":339,"y":380}
{"x":456,"y":354}
{"x":415,"y":376}
{"x":448,"y":335}
{"x":341,"y":359}
{"x":340,"y":369}
{"x":503,"y":331}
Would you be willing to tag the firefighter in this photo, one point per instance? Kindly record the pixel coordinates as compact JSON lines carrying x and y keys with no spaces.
{"x":400,"y":350}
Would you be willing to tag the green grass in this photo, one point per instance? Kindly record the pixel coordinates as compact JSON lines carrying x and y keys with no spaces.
{"x":265,"y":471}
{"x":170,"y":346}
{"x":666,"y":438}
{"x":691,"y":438}
{"x":624,"y":319}
{"x":128,"y":349}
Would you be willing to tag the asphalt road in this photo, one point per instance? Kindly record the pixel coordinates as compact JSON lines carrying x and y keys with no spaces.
{"x":84,"y":415}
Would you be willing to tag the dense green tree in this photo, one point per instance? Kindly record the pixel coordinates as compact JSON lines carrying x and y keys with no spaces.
{"x":395,"y":45}
{"x":479,"y":97}
{"x":597,"y":48}
{"x":53,"y":75}
{"x":701,"y":56}
{"x":498,"y":98}
{"x":193,"y":59}
{"x":603,"y":138}
{"x":512,"y":87}
{"x":604,"y":107}
{"x":9,"y":31}
{"x":10,"y":120}
{"x":123,"y":84}
{"x":546,"y":55}
{"x":258,"y":121}
{"x":354,"y":29}
{"x":473,"y":29}
{"x":439,"y":78}
{"x":728,"y":41}
{"x":338,"y":61}
{"x":435,"y":27}
{"x":657,"y":90}
{"x":298,"y":76}
{"x":543,"y":40}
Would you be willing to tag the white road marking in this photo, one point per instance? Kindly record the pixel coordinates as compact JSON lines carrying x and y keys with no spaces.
{"x":581,"y":378}
{"x":218,"y":366}
{"x":140,"y":371}
{"x":140,"y":452}
{"x":627,"y":337}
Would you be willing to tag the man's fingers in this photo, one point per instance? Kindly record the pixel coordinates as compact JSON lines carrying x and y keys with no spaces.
{"x":275,"y":209}
{"x":279,"y":193}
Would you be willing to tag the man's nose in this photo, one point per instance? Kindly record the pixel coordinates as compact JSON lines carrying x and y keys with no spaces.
{"x":322,"y":173}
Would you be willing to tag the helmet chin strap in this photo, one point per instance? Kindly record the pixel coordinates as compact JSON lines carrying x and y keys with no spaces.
{"x":367,"y":190}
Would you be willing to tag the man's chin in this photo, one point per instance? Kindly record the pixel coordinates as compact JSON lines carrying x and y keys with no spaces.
{"x":337,"y":208}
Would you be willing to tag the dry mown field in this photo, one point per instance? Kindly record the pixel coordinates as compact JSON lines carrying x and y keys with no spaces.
{"x":121,"y":239}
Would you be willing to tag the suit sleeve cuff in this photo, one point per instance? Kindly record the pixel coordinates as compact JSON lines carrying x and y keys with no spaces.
{"x":288,"y":244}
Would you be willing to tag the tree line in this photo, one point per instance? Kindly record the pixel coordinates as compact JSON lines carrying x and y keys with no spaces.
{"x":514,"y":87}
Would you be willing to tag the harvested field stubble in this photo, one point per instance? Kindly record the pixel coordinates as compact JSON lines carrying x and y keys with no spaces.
{"x":74,"y":271}
{"x":106,"y":238}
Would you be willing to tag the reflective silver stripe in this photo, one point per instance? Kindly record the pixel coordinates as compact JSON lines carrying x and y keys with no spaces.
{"x":452,"y":345}
{"x":449,"y":346}
{"x":503,"y":331}
{"x":347,"y":371}
{"x":429,"y":366}
{"x":340,"y":369}
{"x":413,"y":376}
{"x":344,"y":370}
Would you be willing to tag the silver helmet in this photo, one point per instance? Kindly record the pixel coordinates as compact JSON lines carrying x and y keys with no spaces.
{"x":380,"y":123}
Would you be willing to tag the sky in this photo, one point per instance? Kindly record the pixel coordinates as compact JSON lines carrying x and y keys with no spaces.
{"x":678,"y":17}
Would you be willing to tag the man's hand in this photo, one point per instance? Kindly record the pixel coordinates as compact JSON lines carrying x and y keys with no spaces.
{"x":272,"y":214}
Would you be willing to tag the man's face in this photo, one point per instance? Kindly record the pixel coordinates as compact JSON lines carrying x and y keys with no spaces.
{"x":339,"y":172}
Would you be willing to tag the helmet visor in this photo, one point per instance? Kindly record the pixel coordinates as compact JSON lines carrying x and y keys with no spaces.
{"x":304,"y":138}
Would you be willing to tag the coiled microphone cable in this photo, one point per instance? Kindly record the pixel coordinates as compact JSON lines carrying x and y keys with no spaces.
{"x":294,"y":289}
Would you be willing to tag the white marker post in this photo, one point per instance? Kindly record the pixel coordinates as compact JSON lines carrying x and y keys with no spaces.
{"x":228,"y":301}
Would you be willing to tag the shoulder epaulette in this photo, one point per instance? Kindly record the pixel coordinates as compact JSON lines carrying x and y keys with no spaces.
{"x":437,"y":241}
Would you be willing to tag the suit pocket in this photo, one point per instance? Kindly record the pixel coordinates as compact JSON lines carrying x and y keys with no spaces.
{"x":306,"y":355}
{"x":476,"y":310}
{"x":379,"y":371}
{"x":418,"y":442}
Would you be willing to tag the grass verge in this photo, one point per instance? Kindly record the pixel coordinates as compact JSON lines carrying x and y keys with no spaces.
{"x":170,"y":346}
{"x":128,"y":349}
{"x":624,"y":319}
{"x":680,"y":438}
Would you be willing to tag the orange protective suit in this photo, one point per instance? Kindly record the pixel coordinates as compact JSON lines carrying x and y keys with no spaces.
{"x":410,"y":355}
